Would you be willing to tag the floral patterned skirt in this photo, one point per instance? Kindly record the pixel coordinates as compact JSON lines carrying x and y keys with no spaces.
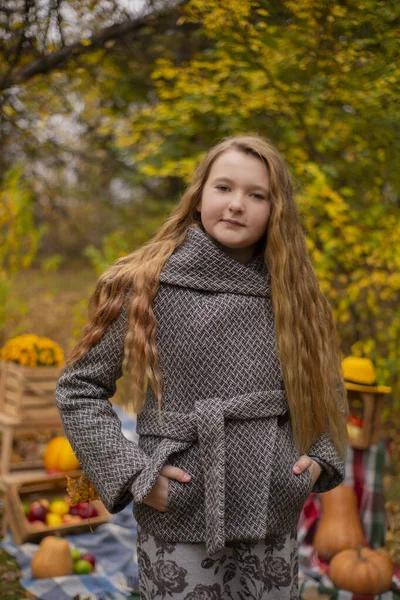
{"x":254,"y":570}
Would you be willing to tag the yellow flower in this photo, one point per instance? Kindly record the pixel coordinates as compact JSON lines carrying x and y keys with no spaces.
{"x":32,"y":351}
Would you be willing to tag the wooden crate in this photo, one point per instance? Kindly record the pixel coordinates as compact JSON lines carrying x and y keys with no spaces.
{"x":27,"y":404}
{"x":366,"y":407}
{"x":27,"y":476}
{"x":10,"y":428}
{"x":27,"y":393}
{"x":49,"y":488}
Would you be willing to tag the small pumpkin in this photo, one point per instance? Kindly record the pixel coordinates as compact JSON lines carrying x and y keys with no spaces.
{"x":340,"y":526}
{"x":52,"y":559}
{"x":59,"y":455}
{"x":361,"y":571}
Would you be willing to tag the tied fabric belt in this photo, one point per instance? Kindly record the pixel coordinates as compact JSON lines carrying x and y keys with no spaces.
{"x":207,"y":424}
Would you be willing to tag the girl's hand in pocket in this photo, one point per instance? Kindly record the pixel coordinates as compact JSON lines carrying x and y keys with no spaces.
{"x":158,"y":496}
{"x":305,"y":462}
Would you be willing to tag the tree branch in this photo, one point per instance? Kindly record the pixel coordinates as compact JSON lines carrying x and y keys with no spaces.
{"x":60,"y":23}
{"x":56,"y":59}
{"x":22,"y":38}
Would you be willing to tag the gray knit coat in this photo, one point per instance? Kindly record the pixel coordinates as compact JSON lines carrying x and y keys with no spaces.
{"x":224,"y":420}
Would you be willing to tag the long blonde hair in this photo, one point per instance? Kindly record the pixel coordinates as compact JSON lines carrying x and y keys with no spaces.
{"x":305,"y":331}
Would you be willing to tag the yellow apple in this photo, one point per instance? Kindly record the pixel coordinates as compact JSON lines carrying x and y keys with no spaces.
{"x":53,"y":520}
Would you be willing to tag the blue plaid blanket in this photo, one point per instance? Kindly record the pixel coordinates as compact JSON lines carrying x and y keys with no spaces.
{"x":116,"y":574}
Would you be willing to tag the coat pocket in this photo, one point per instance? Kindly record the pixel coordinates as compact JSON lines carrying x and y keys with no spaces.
{"x":288,"y":491}
{"x":173,"y":490}
{"x":295,"y":487}
{"x":186,"y":498}
{"x":305,"y":480}
{"x":182,"y":498}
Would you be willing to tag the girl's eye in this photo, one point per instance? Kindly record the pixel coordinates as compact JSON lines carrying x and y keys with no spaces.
{"x":225,"y":188}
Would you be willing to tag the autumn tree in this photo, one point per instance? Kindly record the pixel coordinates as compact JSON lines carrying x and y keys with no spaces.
{"x":319,"y":79}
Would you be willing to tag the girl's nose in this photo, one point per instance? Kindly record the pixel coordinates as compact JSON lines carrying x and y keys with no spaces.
{"x":236,"y":202}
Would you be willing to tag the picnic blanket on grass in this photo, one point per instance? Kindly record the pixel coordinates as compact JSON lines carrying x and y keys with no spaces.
{"x":364,"y":471}
{"x":115,"y":577}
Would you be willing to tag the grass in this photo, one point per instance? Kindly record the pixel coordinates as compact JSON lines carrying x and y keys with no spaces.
{"x":10,"y":573}
{"x":55,"y":305}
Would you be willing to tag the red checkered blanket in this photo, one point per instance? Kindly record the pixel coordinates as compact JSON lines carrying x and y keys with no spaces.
{"x":364,"y":472}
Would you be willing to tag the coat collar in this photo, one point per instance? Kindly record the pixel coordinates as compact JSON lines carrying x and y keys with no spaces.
{"x":199,"y":263}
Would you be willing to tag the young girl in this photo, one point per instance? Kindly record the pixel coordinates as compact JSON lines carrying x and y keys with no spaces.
{"x":229,"y":349}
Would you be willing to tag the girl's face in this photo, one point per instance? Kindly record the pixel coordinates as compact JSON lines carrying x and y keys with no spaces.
{"x":237,"y":189}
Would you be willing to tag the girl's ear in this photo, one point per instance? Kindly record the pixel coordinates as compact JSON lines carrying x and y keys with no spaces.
{"x":198,"y":206}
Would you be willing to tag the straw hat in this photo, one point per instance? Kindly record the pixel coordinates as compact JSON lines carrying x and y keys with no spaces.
{"x":359,"y":375}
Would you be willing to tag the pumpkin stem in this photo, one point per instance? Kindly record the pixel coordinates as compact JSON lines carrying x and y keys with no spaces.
{"x":360,"y":556}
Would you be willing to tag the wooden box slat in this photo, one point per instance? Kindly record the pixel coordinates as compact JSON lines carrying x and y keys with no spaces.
{"x":13,"y":398}
{"x":45,"y":413}
{"x":29,"y":401}
{"x":24,"y":465}
{"x":13,"y":394}
{"x":49,"y":488}
{"x":40,"y":388}
{"x":31,"y":372}
{"x":13,"y":384}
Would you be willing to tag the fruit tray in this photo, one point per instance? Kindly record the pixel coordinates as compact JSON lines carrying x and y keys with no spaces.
{"x":27,"y":507}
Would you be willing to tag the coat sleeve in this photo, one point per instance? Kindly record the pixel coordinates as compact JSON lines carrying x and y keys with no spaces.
{"x":108,"y":459}
{"x":324,"y":452}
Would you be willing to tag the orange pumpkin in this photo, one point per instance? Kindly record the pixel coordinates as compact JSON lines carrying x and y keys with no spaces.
{"x":361,"y":571}
{"x":340,"y":526}
{"x":59,"y":456}
{"x":52,"y":559}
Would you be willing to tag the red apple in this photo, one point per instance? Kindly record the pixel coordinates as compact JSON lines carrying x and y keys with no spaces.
{"x":74,"y":510}
{"x":357,"y":421}
{"x":37,"y":511}
{"x":87,"y":510}
{"x":90,"y":558}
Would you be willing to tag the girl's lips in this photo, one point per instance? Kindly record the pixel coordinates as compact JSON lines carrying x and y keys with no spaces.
{"x":232,"y":223}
